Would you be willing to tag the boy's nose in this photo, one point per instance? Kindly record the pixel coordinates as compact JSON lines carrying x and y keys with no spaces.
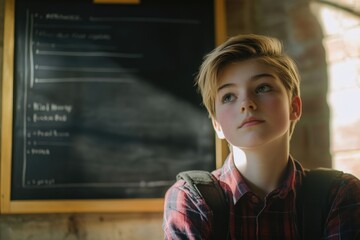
{"x":248,"y":105}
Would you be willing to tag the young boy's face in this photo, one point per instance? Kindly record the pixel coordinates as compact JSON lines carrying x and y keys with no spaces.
{"x":252,"y":107}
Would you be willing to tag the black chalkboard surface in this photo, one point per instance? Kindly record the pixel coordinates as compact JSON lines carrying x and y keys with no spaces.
{"x":104,"y":101}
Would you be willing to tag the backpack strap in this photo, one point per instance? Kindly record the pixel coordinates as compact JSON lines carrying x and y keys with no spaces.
{"x":207,"y":186}
{"x":313,"y":201}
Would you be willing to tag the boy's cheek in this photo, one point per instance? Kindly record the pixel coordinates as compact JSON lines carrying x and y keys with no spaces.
{"x":226,"y":119}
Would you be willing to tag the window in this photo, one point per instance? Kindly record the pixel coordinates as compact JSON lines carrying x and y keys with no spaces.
{"x":341,"y":29}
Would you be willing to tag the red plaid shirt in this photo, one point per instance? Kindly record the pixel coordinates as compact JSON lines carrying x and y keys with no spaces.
{"x":187,"y":216}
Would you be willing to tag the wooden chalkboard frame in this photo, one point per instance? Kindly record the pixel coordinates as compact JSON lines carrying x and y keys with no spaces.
{"x":7,"y":205}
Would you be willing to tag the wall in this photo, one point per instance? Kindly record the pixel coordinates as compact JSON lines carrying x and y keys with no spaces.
{"x":294,"y":24}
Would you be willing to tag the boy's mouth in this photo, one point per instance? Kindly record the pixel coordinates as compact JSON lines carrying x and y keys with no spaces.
{"x":250,"y":121}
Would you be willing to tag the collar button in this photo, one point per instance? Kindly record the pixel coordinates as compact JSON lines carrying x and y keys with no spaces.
{"x":254,"y":199}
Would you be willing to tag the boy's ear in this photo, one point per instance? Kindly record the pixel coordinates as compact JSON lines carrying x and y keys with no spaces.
{"x":296,"y":108}
{"x":217,"y":129}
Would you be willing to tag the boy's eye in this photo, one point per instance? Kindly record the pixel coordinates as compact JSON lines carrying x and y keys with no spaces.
{"x":263,"y":88}
{"x":229,"y":97}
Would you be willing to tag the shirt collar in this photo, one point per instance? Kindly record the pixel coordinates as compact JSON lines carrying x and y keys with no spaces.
{"x":288,"y":179}
{"x":238,"y":187}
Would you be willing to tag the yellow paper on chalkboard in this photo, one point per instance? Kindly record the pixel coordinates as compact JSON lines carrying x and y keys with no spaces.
{"x":118,"y":1}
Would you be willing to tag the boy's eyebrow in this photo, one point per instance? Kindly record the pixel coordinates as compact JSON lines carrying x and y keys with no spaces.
{"x":255,"y":77}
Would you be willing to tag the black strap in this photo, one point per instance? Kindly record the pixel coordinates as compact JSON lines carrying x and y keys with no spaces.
{"x":313,"y":201}
{"x":207,"y":186}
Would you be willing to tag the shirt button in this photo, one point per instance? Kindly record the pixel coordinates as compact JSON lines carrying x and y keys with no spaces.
{"x":254,"y":199}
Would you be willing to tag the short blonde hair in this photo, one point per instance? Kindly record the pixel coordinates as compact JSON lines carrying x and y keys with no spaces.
{"x":265,"y":49}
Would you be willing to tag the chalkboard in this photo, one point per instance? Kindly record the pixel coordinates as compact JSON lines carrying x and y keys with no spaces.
{"x":104,"y":104}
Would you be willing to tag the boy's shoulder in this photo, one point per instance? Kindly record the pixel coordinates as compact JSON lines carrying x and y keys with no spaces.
{"x":349,"y":178}
{"x":339,"y":180}
{"x":328,"y":198}
{"x":181,"y":189}
{"x":191,"y":182}
{"x":336,"y":185}
{"x":183,"y":198}
{"x":347,"y":187}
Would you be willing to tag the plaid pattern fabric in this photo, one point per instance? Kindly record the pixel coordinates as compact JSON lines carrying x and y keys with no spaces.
{"x":187,"y":216}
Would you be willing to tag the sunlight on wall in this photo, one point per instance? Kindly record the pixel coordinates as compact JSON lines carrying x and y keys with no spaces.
{"x":342,"y":46}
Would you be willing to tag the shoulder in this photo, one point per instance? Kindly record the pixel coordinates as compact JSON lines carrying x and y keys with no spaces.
{"x":347,"y":178}
{"x":185,"y":213}
{"x":343,"y":219}
{"x":346,"y":189}
{"x":351,"y":179}
{"x":182,"y":198}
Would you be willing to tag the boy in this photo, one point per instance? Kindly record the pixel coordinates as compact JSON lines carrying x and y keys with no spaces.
{"x":251,"y":91}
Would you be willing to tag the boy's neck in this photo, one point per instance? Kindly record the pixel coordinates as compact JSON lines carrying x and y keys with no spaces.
{"x":262,"y":169}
